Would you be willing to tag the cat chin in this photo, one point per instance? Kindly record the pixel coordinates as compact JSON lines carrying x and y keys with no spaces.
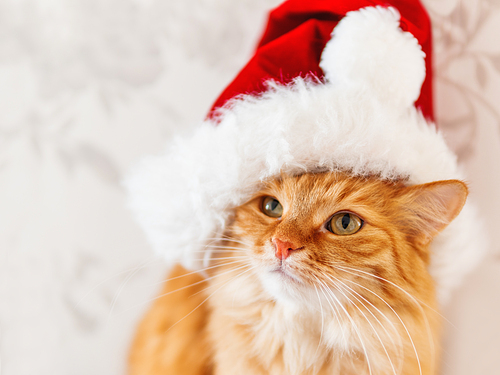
{"x":302,"y":303}
{"x":289,"y":290}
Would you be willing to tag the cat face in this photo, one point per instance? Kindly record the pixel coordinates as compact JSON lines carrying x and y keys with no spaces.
{"x":345,"y":235}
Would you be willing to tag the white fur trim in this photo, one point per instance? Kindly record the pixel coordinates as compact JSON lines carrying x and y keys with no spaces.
{"x":184,"y":197}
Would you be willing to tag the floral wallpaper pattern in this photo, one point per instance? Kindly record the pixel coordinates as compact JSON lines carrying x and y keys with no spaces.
{"x":89,"y":86}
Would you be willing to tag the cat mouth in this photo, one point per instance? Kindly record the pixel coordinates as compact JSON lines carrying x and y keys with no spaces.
{"x":284,"y":273}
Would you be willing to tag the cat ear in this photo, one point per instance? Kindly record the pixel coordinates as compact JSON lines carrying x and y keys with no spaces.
{"x":429,"y":208}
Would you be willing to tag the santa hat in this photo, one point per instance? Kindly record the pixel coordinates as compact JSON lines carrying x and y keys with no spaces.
{"x":310,"y":100}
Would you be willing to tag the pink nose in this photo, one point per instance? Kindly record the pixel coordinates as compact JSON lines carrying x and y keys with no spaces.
{"x":283,"y":248}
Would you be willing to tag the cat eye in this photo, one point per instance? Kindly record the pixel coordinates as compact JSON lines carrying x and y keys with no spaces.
{"x":344,"y":223}
{"x":272,"y":207}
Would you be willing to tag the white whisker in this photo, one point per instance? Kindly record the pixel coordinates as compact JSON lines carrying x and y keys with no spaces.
{"x":222,"y":249}
{"x":182,"y":288}
{"x":400,"y":346}
{"x":322,"y":320}
{"x":225,"y":258}
{"x":339,"y":288}
{"x":122,"y":286}
{"x":354,"y":325}
{"x":197,"y":271}
{"x":205,"y":300}
{"x":229,"y":239}
{"x":220,"y":274}
{"x":406,"y":329}
{"x":335,"y":311}
{"x":133,"y":269}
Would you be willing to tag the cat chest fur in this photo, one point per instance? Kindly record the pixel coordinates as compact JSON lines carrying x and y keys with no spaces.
{"x":263,"y":337}
{"x":256,"y":335}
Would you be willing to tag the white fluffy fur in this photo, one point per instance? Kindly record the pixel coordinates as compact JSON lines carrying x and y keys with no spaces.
{"x":362,"y":120}
{"x":370,"y":50}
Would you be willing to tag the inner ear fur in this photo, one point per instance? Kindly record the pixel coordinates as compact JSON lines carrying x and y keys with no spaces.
{"x":430,"y":207}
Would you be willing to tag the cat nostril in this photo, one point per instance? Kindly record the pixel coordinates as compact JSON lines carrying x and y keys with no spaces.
{"x":282,"y":249}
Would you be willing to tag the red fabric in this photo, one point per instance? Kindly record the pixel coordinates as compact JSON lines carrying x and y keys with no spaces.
{"x":297,"y":33}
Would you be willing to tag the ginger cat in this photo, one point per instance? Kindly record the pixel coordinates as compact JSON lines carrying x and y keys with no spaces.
{"x":319,"y":274}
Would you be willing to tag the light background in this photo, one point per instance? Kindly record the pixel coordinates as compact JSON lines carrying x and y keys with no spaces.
{"x":88,"y":86}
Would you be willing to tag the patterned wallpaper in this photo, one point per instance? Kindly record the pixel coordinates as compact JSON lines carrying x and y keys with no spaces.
{"x":467,"y":66}
{"x":88,"y":86}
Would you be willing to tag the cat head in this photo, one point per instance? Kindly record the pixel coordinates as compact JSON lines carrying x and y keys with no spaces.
{"x":324,"y":231}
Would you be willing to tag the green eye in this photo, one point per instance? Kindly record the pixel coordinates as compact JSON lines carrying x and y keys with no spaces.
{"x":344,"y":223}
{"x":272,"y":207}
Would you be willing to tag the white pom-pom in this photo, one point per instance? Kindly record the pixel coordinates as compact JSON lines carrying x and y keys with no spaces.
{"x":369,"y":50}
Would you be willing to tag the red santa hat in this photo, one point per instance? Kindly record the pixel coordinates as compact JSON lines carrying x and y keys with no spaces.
{"x":297,"y":33}
{"x":311,"y":99}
